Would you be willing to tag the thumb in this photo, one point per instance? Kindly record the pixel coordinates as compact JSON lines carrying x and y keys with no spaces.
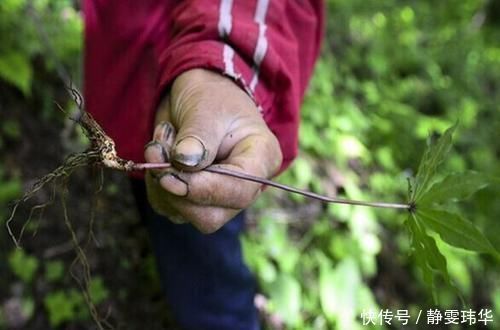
{"x":197,"y":142}
{"x":205,"y":107}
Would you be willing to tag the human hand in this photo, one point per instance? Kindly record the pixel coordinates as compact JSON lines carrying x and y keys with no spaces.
{"x":207,"y":119}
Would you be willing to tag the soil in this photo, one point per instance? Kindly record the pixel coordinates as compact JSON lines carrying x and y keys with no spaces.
{"x":120,"y":254}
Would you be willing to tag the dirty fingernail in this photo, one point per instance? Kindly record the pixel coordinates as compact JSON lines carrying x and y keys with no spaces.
{"x":163,"y":131}
{"x":155,"y":153}
{"x":189,"y":151}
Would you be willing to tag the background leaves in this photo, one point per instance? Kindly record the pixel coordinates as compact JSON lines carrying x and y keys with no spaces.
{"x":392,"y":72}
{"x":16,"y":69}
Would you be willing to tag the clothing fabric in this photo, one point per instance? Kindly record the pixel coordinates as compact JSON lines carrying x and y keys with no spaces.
{"x":206,"y":282}
{"x":135,"y":49}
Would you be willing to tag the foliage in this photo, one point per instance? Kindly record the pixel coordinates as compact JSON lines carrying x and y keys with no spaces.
{"x":428,"y":213}
{"x":64,"y":306}
{"x":391,"y":74}
{"x":54,"y":270}
{"x":19,"y":49}
{"x":23,"y":265}
{"x":27,"y":65}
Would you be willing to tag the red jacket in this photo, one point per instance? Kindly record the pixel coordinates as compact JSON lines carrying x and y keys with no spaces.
{"x":134,"y":49}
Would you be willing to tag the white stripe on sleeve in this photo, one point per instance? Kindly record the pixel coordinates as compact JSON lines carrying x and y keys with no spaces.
{"x":228,"y":56}
{"x":261,"y":47}
{"x":225,"y":18}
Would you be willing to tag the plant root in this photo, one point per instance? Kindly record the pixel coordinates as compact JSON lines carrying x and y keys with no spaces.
{"x":102,"y":152}
{"x":85,"y":278}
{"x":69,"y":165}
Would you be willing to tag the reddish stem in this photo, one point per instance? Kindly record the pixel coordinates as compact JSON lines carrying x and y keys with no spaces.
{"x":248,"y":177}
{"x":150,"y":166}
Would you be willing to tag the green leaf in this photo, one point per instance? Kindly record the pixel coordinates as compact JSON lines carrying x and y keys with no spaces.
{"x":455,"y":230}
{"x":59,"y":307}
{"x":98,"y":291}
{"x":289,"y":259}
{"x":286,"y":298}
{"x":11,"y":129}
{"x":432,"y":158}
{"x":427,"y":255}
{"x":266,"y":270}
{"x":454,"y":187}
{"x":54,"y":270}
{"x":23,"y":265}
{"x":424,"y":243}
{"x":28,"y":307}
{"x":339,"y":289}
{"x":9,"y":190}
{"x":12,"y":7}
{"x":15,"y":68}
{"x":328,"y":289}
{"x":303,"y":172}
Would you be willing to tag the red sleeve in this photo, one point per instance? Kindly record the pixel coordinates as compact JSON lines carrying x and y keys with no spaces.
{"x":134,"y":50}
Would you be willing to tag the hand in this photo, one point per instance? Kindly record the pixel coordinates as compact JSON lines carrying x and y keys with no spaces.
{"x":207,"y":119}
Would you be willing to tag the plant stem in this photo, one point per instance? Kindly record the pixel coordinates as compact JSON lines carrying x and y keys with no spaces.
{"x":248,"y":177}
{"x":150,"y":166}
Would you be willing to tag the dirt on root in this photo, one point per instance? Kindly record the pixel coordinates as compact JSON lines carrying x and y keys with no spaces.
{"x":117,"y":246}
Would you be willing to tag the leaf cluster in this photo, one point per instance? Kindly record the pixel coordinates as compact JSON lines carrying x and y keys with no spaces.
{"x":429,"y":212}
{"x":391,"y":73}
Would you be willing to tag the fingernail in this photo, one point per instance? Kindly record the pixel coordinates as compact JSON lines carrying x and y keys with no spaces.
{"x":155,"y":153}
{"x":189,"y":151}
{"x":174,"y":184}
{"x":163,"y":131}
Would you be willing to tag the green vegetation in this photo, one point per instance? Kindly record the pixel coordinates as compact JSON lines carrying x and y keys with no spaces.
{"x":392,"y":76}
{"x":23,"y":43}
{"x":392,"y":73}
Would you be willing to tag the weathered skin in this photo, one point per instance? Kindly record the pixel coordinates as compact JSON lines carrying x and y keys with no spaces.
{"x":206,"y":119}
